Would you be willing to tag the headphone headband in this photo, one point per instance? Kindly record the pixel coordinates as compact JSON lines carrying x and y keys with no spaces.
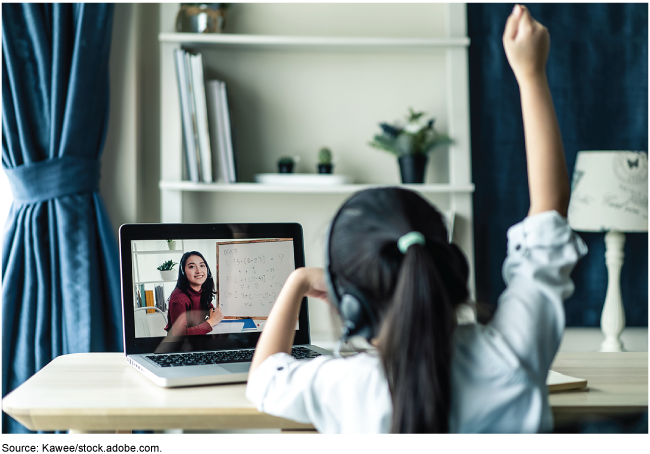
{"x":358,"y":317}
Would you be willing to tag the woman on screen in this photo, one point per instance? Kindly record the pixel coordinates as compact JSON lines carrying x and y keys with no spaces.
{"x":190,"y":304}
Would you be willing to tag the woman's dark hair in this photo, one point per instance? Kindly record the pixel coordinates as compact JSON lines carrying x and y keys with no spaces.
{"x":183,"y":284}
{"x":414,"y":296}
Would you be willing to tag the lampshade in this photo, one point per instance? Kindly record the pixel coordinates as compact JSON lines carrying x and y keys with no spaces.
{"x":609,"y":191}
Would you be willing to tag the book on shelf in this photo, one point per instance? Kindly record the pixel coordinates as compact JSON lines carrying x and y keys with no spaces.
{"x":216,"y":128}
{"x":228,"y":133}
{"x":220,"y":131}
{"x":190,"y":144}
{"x":149,"y":300}
{"x":192,"y":98}
{"x":142,"y":296}
{"x":201,"y":117}
{"x":160,"y":298}
{"x":138,"y":297}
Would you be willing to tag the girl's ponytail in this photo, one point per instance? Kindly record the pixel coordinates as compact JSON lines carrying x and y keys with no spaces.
{"x":416,"y":346}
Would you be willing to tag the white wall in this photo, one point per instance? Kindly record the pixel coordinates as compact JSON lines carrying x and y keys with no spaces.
{"x":283,"y":103}
{"x":130,"y":160}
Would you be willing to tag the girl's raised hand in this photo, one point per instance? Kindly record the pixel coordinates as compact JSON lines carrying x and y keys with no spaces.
{"x":526,"y":43}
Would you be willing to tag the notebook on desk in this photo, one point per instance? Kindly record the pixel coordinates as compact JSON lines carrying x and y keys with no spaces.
{"x":168,"y":333}
{"x":556,"y":381}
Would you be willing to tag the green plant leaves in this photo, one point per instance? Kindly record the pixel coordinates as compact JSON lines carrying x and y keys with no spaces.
{"x":418,"y":137}
{"x":167,"y":266}
{"x":409,"y":144}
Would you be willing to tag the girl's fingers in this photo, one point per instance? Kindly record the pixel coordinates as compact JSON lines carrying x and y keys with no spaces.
{"x":512,"y":24}
{"x":527,"y":21}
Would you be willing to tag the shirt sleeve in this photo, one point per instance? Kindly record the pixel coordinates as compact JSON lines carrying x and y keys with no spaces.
{"x":178,"y":306}
{"x":542,"y":252}
{"x":183,"y":329}
{"x":277,"y":387}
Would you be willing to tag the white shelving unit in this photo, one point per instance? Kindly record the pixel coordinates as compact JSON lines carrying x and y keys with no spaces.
{"x":313,"y":42}
{"x":457,"y":191}
{"x":146,"y":322}
{"x":136,"y":265}
{"x":190,"y":186}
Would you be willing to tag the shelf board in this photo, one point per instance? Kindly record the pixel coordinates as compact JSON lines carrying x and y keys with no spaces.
{"x":150,"y":282}
{"x":331,"y":42}
{"x":158,"y":252}
{"x":257,"y":188}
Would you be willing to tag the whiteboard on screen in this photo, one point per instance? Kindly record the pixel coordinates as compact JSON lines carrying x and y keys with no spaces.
{"x":250,"y":275}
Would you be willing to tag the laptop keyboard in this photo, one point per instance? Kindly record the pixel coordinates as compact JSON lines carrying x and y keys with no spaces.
{"x":234,"y":356}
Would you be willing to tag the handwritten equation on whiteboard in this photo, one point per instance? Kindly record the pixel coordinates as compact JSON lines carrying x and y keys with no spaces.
{"x":250,"y":275}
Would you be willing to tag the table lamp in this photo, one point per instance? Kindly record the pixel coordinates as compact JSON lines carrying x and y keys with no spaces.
{"x":609,"y":193}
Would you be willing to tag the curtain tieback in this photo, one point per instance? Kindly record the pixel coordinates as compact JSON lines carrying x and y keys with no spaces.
{"x":43,"y":180}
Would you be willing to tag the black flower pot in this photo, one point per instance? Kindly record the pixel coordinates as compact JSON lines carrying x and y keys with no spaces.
{"x":325,"y":168}
{"x":412,"y":167}
{"x":285,"y":168}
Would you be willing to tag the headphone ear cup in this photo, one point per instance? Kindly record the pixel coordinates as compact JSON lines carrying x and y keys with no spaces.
{"x":351,"y":310}
{"x":355,"y":318}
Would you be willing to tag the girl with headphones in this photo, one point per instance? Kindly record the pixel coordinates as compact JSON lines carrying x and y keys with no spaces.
{"x":190,"y":304}
{"x":395,"y":280}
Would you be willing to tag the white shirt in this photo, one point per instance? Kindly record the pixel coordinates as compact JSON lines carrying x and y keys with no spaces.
{"x":498,"y":370}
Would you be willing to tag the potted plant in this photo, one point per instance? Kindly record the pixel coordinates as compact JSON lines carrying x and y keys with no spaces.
{"x":171,"y":244}
{"x":411,"y":143}
{"x":325,"y":160}
{"x":285,"y":164}
{"x":167,"y":271}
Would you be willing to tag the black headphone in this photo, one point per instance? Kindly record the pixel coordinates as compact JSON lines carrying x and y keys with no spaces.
{"x":358,"y":317}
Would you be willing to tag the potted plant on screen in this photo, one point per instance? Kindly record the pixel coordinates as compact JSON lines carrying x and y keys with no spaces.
{"x":411,"y":143}
{"x":171,"y":244}
{"x":325,"y":160}
{"x":167,"y":271}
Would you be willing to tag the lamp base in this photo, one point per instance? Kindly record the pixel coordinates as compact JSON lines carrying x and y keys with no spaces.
{"x":612,"y":321}
{"x":612,"y":344}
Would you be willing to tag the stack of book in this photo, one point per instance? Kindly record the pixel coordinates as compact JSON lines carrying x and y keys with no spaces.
{"x":207,"y":134}
{"x":160,"y":298}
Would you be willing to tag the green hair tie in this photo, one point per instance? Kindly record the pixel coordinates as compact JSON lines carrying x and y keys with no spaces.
{"x":411,"y":238}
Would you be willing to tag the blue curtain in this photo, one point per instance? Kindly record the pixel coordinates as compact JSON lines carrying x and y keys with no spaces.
{"x":60,"y":265}
{"x":598,"y":75}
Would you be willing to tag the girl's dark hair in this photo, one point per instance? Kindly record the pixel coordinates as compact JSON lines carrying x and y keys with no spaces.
{"x":414,"y":296}
{"x":183,"y":284}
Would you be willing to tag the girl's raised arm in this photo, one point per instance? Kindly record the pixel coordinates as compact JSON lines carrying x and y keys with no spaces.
{"x":526,"y":43}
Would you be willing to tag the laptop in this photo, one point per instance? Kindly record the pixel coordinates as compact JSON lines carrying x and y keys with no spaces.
{"x":248,"y":264}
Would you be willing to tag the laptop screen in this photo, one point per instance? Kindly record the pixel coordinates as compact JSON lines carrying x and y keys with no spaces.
{"x":242,"y":278}
{"x":201,"y":287}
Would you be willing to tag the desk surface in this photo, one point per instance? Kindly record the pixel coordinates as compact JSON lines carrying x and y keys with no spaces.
{"x":101,"y":392}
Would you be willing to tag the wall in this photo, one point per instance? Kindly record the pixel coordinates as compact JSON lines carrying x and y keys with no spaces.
{"x":274,"y":92}
{"x":130,"y":161}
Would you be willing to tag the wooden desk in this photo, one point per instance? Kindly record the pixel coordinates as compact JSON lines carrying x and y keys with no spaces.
{"x":617,"y":385}
{"x":101,"y":392}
